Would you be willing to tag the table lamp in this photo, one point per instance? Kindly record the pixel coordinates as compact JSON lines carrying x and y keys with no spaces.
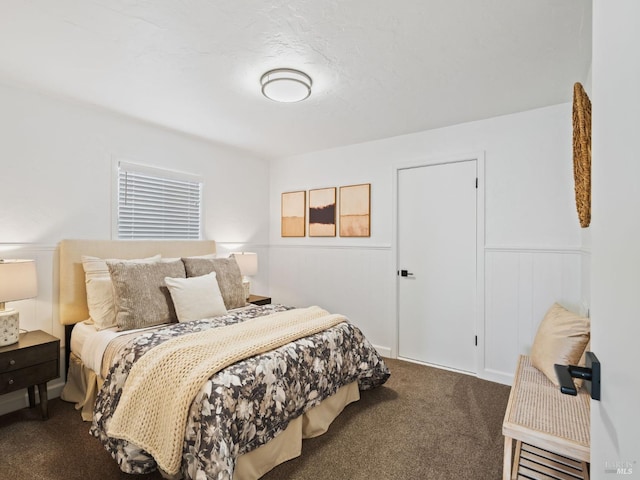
{"x":248,"y":263}
{"x":18,"y":281}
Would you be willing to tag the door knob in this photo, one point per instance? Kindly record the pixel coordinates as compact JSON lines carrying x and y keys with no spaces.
{"x":590,"y":374}
{"x":405,"y":273}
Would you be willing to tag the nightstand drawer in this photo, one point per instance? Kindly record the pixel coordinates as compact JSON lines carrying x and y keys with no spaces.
{"x":26,"y":357}
{"x":28,"y":376}
{"x":32,"y":361}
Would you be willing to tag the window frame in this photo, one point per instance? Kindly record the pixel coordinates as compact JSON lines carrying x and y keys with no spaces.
{"x":161,"y":173}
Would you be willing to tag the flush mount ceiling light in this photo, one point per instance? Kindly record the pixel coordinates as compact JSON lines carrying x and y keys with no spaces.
{"x":286,"y":85}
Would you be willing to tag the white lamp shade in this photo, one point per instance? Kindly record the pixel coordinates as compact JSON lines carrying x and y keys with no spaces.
{"x":248,"y":263}
{"x":18,"y":280}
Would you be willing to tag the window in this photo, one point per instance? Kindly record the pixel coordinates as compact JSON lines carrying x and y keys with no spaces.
{"x":157,"y":204}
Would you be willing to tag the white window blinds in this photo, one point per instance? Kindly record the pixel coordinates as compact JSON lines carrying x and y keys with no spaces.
{"x":157,"y":204}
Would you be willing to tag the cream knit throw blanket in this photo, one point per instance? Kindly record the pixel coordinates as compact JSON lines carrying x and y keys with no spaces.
{"x":161,"y":385}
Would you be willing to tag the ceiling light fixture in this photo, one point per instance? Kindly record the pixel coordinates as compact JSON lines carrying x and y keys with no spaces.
{"x":286,"y":85}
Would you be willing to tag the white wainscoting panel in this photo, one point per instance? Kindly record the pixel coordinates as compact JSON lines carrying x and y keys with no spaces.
{"x":355,"y":281}
{"x":521,"y":285}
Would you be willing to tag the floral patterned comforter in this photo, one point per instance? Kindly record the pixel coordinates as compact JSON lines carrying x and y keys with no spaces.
{"x":248,"y":403}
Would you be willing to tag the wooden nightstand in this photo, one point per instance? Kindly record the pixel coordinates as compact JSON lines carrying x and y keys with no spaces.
{"x":34,"y":360}
{"x":259,"y":300}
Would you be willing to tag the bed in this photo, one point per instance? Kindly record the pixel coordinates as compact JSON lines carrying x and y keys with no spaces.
{"x":161,"y":396}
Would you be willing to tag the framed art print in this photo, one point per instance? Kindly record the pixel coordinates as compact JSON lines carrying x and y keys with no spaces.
{"x":322,"y":212}
{"x":355,"y":210}
{"x":293,"y":214}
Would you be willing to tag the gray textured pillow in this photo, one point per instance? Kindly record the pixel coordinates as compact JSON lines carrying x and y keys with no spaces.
{"x":141,"y":296}
{"x":228,"y":276}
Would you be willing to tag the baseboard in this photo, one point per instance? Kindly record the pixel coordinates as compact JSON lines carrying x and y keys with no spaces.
{"x":439,"y":367}
{"x":383,"y":351}
{"x":18,"y":400}
{"x":496,"y":376}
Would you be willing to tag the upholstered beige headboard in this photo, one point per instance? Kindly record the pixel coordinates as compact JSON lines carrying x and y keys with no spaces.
{"x":73,"y":295}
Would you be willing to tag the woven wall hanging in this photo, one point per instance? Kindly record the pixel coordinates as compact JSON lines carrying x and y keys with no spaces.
{"x":582,"y":153}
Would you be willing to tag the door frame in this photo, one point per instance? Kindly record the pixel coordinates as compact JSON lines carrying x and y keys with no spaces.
{"x":479,"y":321}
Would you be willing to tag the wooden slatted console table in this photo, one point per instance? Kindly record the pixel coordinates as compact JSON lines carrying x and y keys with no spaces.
{"x":547,"y":427}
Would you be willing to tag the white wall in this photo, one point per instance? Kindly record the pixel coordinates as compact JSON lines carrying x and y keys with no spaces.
{"x":57,"y":156}
{"x":56,"y":167}
{"x":56,"y":159}
{"x":615,"y":236}
{"x":531,"y":229}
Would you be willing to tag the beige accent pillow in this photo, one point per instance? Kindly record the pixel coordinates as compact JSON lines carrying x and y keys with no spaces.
{"x":561,"y":338}
{"x":100,"y":289}
{"x":142,"y":299}
{"x":228,"y":276}
{"x":196,"y":297}
{"x":102,"y":310}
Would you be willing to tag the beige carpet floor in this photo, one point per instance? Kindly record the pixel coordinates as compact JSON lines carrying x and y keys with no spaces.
{"x":424,"y":423}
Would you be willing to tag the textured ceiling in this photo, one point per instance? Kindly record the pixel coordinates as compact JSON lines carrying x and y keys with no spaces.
{"x":379,"y":68}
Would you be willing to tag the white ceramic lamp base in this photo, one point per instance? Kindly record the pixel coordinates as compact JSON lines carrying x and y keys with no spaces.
{"x":9,"y":327}
{"x":247,"y":288}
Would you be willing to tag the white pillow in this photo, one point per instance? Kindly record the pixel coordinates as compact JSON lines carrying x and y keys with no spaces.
{"x":100,"y":289}
{"x":195,"y":298}
{"x":97,"y":267}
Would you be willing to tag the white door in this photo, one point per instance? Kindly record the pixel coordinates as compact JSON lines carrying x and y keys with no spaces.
{"x":615,"y":240}
{"x":437,"y":264}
